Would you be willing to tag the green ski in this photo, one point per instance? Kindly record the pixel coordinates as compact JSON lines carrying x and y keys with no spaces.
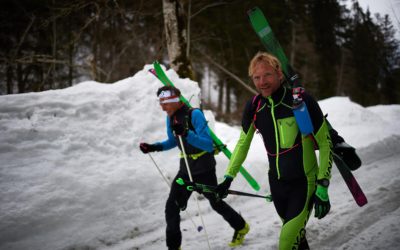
{"x":268,"y":39}
{"x":160,"y":74}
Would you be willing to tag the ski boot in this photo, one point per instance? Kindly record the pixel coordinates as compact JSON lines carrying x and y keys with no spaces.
{"x":238,"y":236}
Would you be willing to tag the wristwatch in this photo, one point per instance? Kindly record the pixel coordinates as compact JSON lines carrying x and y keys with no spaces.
{"x":323,"y":182}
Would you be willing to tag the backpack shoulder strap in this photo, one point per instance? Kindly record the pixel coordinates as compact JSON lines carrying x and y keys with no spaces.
{"x":255,"y":106}
{"x":190,"y":118}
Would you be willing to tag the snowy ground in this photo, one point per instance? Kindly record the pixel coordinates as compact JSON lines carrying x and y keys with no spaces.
{"x":72,"y":177}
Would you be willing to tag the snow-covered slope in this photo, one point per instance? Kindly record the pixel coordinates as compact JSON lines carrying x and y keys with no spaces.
{"x":72,"y":177}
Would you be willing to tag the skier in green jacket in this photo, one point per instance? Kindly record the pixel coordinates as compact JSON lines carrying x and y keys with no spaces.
{"x":297,"y":182}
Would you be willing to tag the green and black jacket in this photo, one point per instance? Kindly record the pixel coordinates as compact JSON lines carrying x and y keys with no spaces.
{"x":291,"y":155}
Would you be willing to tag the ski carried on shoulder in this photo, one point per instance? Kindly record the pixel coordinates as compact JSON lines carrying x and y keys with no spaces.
{"x":268,"y":39}
{"x":160,"y":74}
{"x":202,"y":188}
{"x":350,"y":181}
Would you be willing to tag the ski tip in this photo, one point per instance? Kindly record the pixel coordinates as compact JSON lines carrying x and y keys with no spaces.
{"x":250,"y":11}
{"x":156,"y":63}
{"x":362,"y":201}
{"x":255,"y":186}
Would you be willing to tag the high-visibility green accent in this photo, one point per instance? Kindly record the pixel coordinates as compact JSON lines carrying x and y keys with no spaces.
{"x":294,"y":229}
{"x":325,"y":151}
{"x":322,"y":193}
{"x":180,"y":181}
{"x":217,"y":142}
{"x":288,"y":131}
{"x":194,"y":156}
{"x":238,"y":236}
{"x":263,"y":106}
{"x":240,"y":152}
{"x":310,"y":163}
{"x":271,"y":101}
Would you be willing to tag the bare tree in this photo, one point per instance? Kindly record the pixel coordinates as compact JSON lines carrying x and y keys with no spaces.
{"x":176,"y":36}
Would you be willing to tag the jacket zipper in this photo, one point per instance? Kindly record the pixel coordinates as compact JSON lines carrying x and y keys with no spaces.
{"x":271,"y":101}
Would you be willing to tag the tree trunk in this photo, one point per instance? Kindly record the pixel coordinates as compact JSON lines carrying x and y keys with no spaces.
{"x":293,"y":42}
{"x":21,"y":82}
{"x":9,"y":79}
{"x":220,"y":97}
{"x":54,"y":52}
{"x":228,"y":97}
{"x":339,"y":91}
{"x":174,"y":25}
{"x":70,"y":63}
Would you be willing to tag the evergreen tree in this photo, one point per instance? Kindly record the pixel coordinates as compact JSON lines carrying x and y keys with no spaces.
{"x":53,"y":44}
{"x":390,"y":54}
{"x":326,"y":19}
{"x":374,"y":52}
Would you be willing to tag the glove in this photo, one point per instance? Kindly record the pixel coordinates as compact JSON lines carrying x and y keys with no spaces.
{"x":322,"y":204}
{"x":336,"y":138}
{"x":147,"y":148}
{"x":179,"y":129}
{"x":222,"y":188}
{"x":343,"y":149}
{"x":348,"y":154}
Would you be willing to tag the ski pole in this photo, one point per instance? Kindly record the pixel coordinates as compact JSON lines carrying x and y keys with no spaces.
{"x":267,"y":197}
{"x":159,"y":170}
{"x":192,"y":186}
{"x":198,"y":228}
{"x":191,"y":179}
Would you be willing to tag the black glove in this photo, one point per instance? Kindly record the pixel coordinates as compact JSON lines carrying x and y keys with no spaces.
{"x":147,"y":148}
{"x":222,"y":188}
{"x":335,"y":137}
{"x":322,"y":204}
{"x":348,"y":154}
{"x":179,"y":129}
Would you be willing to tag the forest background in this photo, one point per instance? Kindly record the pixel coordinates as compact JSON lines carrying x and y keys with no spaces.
{"x":338,"y":48}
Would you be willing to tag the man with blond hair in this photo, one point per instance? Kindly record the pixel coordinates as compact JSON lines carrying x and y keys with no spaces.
{"x":297,"y":182}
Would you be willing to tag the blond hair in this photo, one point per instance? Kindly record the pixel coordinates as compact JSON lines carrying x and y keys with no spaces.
{"x":264,"y":57}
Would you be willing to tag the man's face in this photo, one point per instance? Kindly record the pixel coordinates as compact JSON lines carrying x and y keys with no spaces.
{"x":266,"y":79}
{"x":170,"y":108}
{"x":169,"y":101}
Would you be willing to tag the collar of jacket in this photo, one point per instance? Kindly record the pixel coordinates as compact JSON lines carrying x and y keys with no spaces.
{"x":183,"y":109}
{"x":277,"y":96}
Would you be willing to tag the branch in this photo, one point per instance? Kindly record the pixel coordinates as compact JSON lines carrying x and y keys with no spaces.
{"x":395,"y":15}
{"x":38,"y":59}
{"x":247,"y":87}
{"x":15,"y":52}
{"x":206,"y":7}
{"x":188,"y":29}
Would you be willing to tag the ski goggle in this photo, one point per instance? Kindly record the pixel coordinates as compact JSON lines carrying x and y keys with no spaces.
{"x":167,"y":96}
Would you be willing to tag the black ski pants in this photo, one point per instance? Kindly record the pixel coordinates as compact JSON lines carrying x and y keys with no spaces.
{"x":293,"y":200}
{"x":178,"y":198}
